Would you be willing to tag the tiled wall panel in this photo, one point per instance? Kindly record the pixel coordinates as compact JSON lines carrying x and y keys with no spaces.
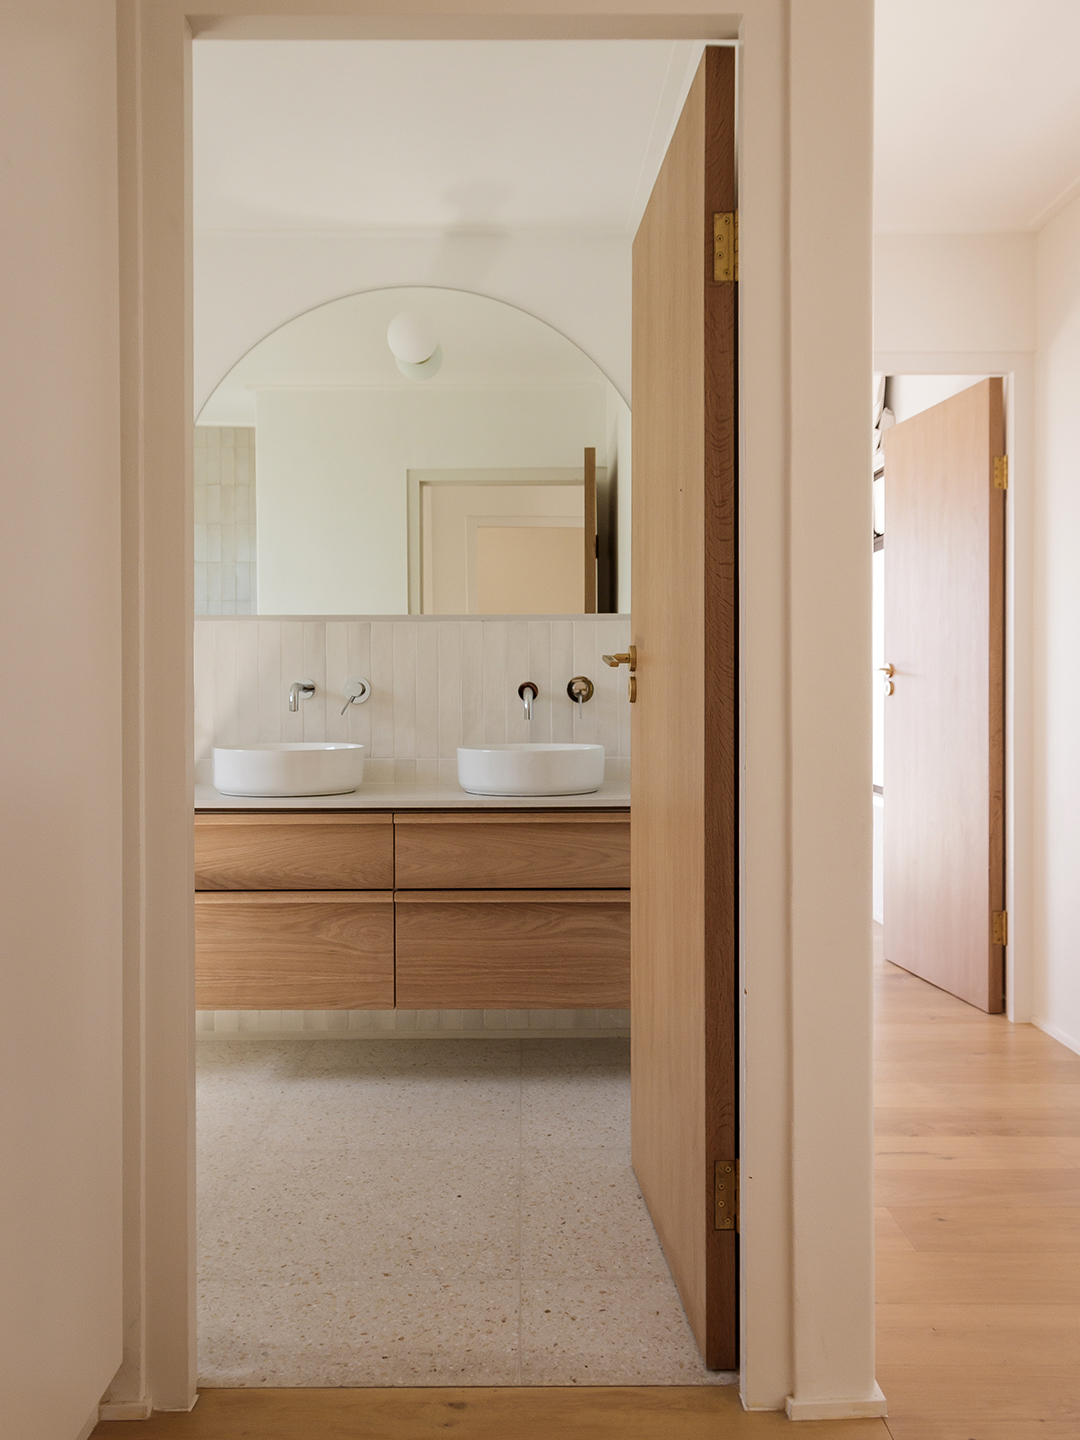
{"x":436,"y":684}
{"x":224,"y":520}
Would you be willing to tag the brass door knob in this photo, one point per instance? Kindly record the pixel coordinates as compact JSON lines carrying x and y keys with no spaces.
{"x":629,"y":658}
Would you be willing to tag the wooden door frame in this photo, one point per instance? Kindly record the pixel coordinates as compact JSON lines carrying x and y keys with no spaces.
{"x":805,"y":96}
{"x":1017,"y":369}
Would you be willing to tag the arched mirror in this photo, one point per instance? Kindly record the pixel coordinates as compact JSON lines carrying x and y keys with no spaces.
{"x":487,"y":475}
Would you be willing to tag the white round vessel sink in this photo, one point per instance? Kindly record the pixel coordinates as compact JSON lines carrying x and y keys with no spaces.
{"x":530,"y":769}
{"x":289,"y":769}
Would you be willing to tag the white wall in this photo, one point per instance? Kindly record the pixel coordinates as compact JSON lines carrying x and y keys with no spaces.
{"x":331,"y":465}
{"x":1057,"y":624}
{"x":954,"y":293}
{"x":60,"y":862}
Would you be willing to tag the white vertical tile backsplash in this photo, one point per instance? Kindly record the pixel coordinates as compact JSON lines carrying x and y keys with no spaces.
{"x":436,"y":684}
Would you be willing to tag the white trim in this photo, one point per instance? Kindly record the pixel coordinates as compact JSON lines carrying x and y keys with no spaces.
{"x":1069,"y":1041}
{"x":837,"y":1409}
{"x":125,"y":1410}
{"x":1018,"y":368}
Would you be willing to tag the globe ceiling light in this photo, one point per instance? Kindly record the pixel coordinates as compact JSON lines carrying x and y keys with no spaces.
{"x":414,"y":344}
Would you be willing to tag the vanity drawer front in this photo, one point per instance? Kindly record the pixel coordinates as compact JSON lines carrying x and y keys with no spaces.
{"x":294,"y":852}
{"x":440,"y":851}
{"x":513,"y":950}
{"x":294,"y":950}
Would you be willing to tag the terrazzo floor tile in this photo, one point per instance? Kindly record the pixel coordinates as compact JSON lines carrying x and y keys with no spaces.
{"x":606,"y":1331}
{"x":371,"y":1333}
{"x":298,"y":1215}
{"x":427,"y":1212}
{"x":582,"y":1215}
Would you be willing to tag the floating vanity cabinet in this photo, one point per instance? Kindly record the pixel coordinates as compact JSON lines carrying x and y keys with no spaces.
{"x":451,"y":850}
{"x":294,"y":950}
{"x":513,"y":949}
{"x":423,"y":910}
{"x":294,"y":851}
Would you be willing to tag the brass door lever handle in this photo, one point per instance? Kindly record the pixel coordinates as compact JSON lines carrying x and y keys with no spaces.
{"x":630,"y":659}
{"x":889,"y":671}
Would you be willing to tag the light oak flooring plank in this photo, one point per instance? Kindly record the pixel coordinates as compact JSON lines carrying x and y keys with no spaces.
{"x":978,"y":1221}
{"x":518,"y":1413}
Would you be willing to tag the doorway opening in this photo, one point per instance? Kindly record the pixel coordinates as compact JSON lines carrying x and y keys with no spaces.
{"x":939,"y":596}
{"x":451,"y":1201}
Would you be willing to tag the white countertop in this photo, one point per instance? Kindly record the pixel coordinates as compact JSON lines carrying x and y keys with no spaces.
{"x":438,"y":795}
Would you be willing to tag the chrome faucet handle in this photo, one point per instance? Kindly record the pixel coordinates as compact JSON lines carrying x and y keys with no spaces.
{"x":300,"y":690}
{"x":356,"y":690}
{"x":580,"y":689}
{"x":527,"y":693}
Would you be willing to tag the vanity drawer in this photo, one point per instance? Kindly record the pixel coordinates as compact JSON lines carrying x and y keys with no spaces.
{"x":294,"y":950}
{"x":513,"y":950}
{"x":294,"y":852}
{"x":444,"y":851}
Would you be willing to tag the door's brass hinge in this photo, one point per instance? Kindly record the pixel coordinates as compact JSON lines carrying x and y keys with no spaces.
{"x":725,"y":239}
{"x":726,"y":1195}
{"x":999,"y":927}
{"x":1001,"y":472}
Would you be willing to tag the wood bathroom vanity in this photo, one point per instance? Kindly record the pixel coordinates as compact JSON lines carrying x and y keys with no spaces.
{"x":417,"y":909}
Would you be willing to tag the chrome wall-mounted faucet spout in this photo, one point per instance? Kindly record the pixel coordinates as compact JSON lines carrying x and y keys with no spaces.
{"x":528,"y":693}
{"x":300,"y":690}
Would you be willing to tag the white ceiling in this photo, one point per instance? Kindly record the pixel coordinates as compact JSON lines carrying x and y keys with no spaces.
{"x":977,"y":114}
{"x":977,"y":126}
{"x":408,"y":135}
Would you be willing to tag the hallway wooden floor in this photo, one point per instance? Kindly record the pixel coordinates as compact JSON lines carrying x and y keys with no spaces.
{"x":978,"y":1193}
{"x":978,"y":1185}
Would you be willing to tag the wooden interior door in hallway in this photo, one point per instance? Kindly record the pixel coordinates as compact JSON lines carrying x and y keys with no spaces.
{"x":944,"y":777}
{"x":684,"y":750}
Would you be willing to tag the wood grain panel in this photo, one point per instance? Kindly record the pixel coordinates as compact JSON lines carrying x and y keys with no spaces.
{"x":684,"y":742}
{"x":513,"y":949}
{"x":525,"y":1412}
{"x":299,"y":950}
{"x":444,"y":851}
{"x":294,"y":851}
{"x":945,"y":720}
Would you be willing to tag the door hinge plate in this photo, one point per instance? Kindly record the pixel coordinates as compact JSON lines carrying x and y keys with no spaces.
{"x":1001,"y":472}
{"x":726,"y":1201}
{"x":999,"y":927}
{"x":725,"y":236}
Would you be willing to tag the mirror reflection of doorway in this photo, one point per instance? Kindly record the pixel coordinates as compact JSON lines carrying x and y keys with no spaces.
{"x":499,"y":543}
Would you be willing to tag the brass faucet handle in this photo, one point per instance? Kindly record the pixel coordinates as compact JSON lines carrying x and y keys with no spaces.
{"x":629,"y":658}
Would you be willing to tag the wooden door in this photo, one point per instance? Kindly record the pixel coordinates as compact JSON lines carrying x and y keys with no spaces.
{"x":684,"y":752}
{"x":945,"y":718}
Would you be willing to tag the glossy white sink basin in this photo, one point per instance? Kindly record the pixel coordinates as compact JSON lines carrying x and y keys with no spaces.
{"x":530,"y":769}
{"x":289,"y":769}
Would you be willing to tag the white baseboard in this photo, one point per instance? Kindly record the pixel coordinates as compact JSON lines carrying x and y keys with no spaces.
{"x":875,"y":1406}
{"x":125,"y":1410}
{"x":1059,"y":1035}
